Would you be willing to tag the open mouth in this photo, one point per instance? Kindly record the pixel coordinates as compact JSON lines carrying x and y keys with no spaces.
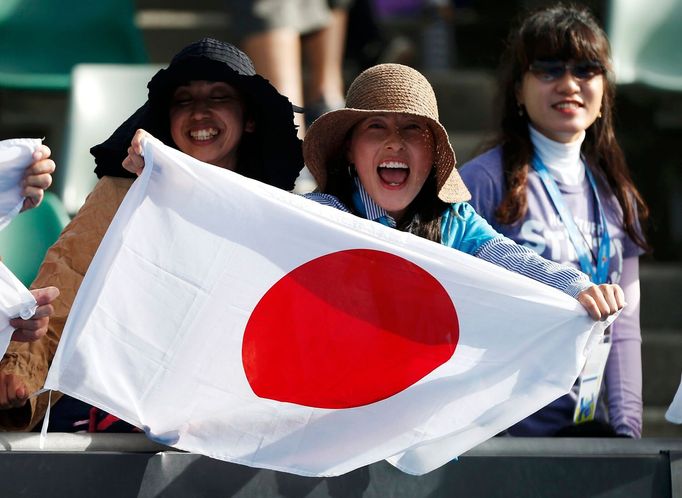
{"x":393,"y":173}
{"x":203,"y":134}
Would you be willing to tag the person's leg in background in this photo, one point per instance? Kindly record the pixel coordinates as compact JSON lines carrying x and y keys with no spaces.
{"x":324,"y":53}
{"x":274,"y":33}
{"x":270,"y":33}
{"x":276,"y":53}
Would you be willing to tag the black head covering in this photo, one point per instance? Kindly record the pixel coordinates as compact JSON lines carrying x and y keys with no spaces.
{"x":271,"y":154}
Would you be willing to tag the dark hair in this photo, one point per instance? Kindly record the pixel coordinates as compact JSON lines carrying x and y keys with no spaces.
{"x":562,"y":32}
{"x":422,"y":216}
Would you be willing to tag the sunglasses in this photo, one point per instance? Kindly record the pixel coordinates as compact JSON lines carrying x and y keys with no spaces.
{"x":553,"y":70}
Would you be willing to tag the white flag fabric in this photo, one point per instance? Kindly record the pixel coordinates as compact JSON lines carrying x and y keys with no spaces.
{"x":16,"y":154}
{"x":230,"y":318}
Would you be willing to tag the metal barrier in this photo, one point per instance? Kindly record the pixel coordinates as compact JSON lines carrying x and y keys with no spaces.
{"x":113,"y":465}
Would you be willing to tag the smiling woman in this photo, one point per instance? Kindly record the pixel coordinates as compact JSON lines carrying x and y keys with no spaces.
{"x":561,"y":105}
{"x":207,"y":120}
{"x":208,"y":103}
{"x":556,"y":181}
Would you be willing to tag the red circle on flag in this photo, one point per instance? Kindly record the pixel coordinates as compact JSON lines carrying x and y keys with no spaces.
{"x":348,"y":329}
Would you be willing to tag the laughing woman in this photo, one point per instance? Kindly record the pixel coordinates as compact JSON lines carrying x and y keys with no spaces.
{"x":386,"y":157}
{"x":556,"y":182}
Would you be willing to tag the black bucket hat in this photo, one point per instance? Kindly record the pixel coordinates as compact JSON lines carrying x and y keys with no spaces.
{"x":274,"y":143}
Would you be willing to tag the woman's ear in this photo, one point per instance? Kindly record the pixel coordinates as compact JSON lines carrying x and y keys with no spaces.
{"x":250,"y":125}
{"x":347,"y":152}
{"x":518,"y":94}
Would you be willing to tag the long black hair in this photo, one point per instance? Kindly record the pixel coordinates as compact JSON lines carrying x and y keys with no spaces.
{"x":564,"y":32}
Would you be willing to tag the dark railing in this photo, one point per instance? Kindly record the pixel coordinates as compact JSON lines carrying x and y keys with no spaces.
{"x":129,"y":465}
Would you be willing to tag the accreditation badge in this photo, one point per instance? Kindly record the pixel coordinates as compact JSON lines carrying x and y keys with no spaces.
{"x":590,"y":383}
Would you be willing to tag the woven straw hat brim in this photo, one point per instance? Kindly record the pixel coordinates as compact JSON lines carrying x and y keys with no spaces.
{"x":327,"y":136}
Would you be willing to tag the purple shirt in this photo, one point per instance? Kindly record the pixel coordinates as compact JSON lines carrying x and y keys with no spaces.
{"x":542,"y":231}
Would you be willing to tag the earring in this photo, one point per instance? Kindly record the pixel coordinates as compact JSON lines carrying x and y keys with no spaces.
{"x":519,"y":107}
{"x":351,"y":170}
{"x":599,"y":115}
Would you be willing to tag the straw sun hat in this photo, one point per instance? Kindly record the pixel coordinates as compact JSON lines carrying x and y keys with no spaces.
{"x":386,"y":88}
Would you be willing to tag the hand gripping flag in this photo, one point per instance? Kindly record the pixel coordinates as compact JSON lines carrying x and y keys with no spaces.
{"x":16,"y":154}
{"x":16,"y":301}
{"x":232,"y":319}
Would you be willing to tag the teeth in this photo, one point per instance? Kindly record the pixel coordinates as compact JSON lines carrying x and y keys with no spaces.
{"x":394,"y":165}
{"x":393,"y":173}
{"x":567,"y":105}
{"x":203,"y":134}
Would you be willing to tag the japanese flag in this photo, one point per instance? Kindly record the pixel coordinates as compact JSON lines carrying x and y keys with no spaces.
{"x":229,"y":318}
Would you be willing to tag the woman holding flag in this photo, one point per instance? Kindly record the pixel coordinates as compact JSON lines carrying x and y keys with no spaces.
{"x":386,"y":157}
{"x":556,"y":182}
{"x":209,"y":103}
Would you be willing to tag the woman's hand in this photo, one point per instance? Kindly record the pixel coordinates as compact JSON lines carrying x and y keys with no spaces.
{"x":602,"y":301}
{"x":135,"y":162}
{"x":13,"y":391}
{"x":37,"y":178}
{"x":36,"y":327}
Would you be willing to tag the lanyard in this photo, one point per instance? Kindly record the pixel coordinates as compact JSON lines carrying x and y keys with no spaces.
{"x":600,"y":274}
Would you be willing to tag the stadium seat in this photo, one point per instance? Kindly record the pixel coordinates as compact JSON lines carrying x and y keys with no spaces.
{"x":102,"y":96}
{"x":645,"y":40}
{"x":41,"y":40}
{"x":24,"y":242}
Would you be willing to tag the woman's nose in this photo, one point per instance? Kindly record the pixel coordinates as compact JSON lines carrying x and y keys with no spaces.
{"x":568,"y":83}
{"x":394,"y":140}
{"x":199,"y":108}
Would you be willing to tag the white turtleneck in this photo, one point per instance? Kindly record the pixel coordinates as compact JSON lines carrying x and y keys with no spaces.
{"x":562,"y":160}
